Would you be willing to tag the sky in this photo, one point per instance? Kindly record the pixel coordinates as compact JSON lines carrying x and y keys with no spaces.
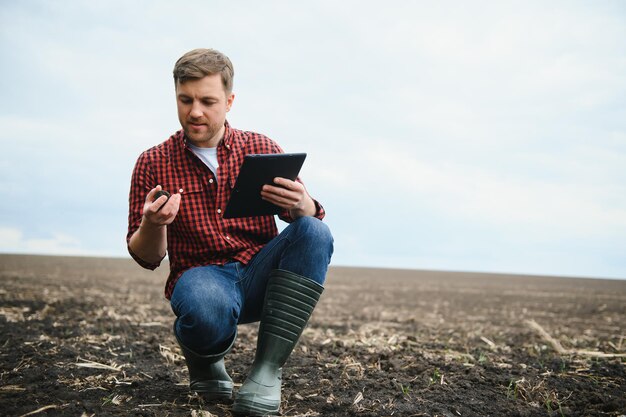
{"x":484,"y":136}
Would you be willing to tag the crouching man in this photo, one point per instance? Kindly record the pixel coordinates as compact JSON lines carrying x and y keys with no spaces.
{"x":225,"y":272}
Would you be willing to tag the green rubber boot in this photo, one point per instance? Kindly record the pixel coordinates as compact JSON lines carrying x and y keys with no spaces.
{"x":289,"y":302}
{"x":207,"y":373}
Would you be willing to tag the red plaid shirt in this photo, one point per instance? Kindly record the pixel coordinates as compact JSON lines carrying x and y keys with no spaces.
{"x":199,"y":234}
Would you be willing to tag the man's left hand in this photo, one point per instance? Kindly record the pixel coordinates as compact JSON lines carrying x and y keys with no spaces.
{"x":290,"y":195}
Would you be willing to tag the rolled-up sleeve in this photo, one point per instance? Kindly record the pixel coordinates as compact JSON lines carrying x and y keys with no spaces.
{"x":140,"y":186}
{"x":320,"y":213}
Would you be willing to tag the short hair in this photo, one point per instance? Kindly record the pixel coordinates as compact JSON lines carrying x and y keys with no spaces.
{"x":201,"y":62}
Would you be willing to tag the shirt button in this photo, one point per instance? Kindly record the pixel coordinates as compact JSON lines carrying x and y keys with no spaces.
{"x":227,"y":237}
{"x":210,"y":180}
{"x":180,"y":191}
{"x":219,"y":211}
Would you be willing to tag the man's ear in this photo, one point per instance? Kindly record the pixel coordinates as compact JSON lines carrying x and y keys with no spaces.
{"x":229,"y":101}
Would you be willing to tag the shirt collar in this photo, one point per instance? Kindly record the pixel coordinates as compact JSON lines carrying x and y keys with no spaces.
{"x":228,"y":136}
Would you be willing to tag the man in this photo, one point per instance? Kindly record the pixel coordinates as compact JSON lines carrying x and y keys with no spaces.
{"x":225,"y":271}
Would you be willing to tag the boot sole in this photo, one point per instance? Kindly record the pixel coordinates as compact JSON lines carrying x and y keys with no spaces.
{"x":215,"y":390}
{"x":255,"y":407}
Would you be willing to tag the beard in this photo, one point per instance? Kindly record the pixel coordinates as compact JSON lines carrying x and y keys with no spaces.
{"x":204,"y":136}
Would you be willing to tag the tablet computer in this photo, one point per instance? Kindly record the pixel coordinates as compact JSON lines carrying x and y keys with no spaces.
{"x":256,"y":171}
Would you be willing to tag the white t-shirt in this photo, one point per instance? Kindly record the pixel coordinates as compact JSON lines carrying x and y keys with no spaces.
{"x":206,"y":155}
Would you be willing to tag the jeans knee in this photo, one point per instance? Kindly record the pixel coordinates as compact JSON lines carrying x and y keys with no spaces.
{"x":315,"y":231}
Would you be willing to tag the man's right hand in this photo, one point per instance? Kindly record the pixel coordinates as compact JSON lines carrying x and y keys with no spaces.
{"x":160,"y":212}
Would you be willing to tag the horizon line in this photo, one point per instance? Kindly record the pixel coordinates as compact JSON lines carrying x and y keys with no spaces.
{"x":345,"y":266}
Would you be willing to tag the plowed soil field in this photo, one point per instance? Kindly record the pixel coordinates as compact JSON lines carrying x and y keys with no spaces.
{"x":92,"y":337}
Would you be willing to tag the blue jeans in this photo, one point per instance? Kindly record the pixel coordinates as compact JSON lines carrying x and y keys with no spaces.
{"x":210,"y":301}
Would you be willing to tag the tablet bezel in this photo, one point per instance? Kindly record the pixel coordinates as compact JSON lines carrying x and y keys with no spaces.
{"x":256,"y":171}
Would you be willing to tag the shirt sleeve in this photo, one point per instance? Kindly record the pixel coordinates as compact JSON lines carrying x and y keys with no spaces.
{"x":320,"y":213}
{"x":140,"y":185}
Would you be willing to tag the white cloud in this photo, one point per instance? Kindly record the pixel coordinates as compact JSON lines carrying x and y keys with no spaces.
{"x":12,"y":240}
{"x":570,"y":207}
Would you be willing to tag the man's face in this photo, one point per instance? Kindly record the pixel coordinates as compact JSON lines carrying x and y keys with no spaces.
{"x":202,"y":106}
